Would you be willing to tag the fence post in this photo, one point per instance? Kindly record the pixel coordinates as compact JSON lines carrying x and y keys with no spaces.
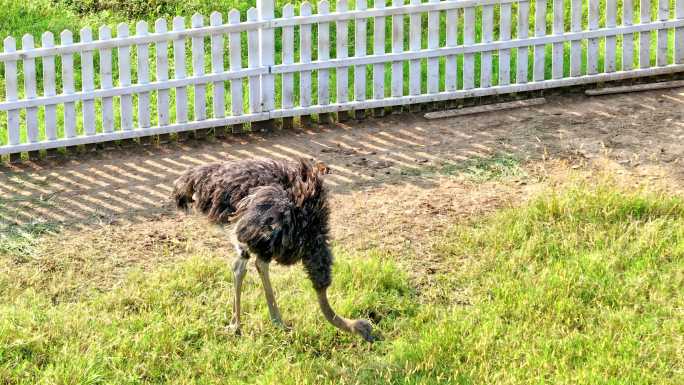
{"x":265,"y":12}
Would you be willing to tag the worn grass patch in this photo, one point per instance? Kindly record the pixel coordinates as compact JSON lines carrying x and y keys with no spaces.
{"x":478,"y":169}
{"x":19,"y":241}
{"x":582,"y":285}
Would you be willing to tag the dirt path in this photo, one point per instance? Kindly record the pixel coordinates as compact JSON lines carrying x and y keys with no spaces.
{"x":393,"y":178}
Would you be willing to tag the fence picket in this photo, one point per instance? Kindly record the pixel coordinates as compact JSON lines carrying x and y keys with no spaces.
{"x":342,"y":73}
{"x":397,"y":47}
{"x":504,"y":35}
{"x":609,"y":56}
{"x":200,"y":102}
{"x":288,"y":58}
{"x":305,"y":56}
{"x":592,"y":44}
{"x":179,"y":71}
{"x":523,"y":33}
{"x":433,"y":42}
{"x":66,"y":38}
{"x":379,"y":49}
{"x":323,"y":54}
{"x":663,"y":15}
{"x":236,"y":101}
{"x":143,"y":77}
{"x":30,"y":89}
{"x":679,"y":34}
{"x":162,"y":61}
{"x":576,"y":45}
{"x":125,"y":79}
{"x":359,"y":51}
{"x":253,"y":62}
{"x":49,"y":87}
{"x":628,"y":38}
{"x":88,"y":84}
{"x":558,"y":29}
{"x":415,"y":34}
{"x":106,"y":81}
{"x":468,"y":38}
{"x":539,"y":30}
{"x":487,"y":37}
{"x":645,"y":37}
{"x":450,"y":66}
{"x":265,"y":12}
{"x":219,"y":102}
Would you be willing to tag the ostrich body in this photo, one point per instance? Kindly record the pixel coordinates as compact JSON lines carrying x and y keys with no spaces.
{"x":279,"y":212}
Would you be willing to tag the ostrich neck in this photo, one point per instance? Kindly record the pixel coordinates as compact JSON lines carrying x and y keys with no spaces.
{"x":329,"y":313}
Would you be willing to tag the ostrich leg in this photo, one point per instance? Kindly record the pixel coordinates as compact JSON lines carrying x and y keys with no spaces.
{"x":262,"y":268}
{"x":239,"y":271}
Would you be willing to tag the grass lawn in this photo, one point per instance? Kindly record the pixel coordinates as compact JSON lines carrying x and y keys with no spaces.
{"x":582,"y":285}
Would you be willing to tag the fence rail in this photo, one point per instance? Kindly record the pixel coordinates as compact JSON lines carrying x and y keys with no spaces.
{"x":174,"y":78}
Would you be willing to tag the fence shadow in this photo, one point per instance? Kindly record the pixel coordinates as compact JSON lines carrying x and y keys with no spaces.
{"x":134,"y":183}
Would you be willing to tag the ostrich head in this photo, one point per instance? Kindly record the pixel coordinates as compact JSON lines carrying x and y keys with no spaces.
{"x":362,"y":328}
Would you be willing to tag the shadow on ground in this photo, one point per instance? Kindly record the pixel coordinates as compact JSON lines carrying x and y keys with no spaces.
{"x":134,"y":184}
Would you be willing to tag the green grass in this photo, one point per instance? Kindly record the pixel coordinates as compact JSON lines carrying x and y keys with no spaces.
{"x":580,"y":286}
{"x":36,"y":17}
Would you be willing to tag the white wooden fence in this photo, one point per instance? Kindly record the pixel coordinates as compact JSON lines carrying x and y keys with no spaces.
{"x":114,"y":97}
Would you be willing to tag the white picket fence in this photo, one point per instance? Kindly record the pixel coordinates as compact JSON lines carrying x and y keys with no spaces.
{"x":117,"y":102}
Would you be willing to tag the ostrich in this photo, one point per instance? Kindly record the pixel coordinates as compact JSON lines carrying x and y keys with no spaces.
{"x":278,"y":211}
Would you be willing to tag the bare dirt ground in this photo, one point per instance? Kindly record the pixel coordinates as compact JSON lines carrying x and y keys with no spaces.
{"x":387,"y":187}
